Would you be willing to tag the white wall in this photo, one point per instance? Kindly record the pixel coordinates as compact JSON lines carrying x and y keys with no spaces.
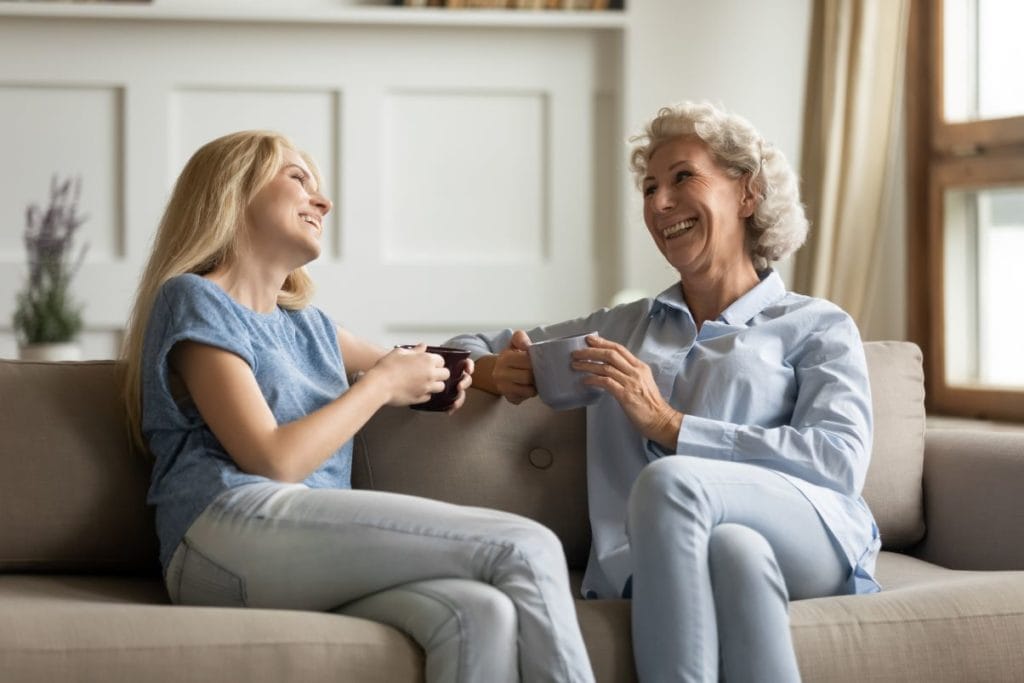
{"x":460,"y":158}
{"x":582,"y":92}
{"x":750,"y":57}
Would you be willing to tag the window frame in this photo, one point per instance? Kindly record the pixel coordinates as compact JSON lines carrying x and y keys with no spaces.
{"x":946,"y":156}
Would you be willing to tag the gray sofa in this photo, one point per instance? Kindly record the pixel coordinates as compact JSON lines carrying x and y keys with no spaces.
{"x":81,"y":598}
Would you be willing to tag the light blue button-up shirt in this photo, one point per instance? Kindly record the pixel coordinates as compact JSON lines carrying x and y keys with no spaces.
{"x":778,"y":380}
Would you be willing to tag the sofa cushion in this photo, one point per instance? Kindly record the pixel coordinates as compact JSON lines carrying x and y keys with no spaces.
{"x":72,"y":489}
{"x":60,"y":628}
{"x":893,"y":488}
{"x":531,"y":460}
{"x":928,"y":624}
{"x":525,"y":459}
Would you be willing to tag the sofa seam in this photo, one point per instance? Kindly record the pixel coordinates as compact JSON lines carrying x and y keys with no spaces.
{"x":195,"y":646}
{"x":928,"y":620}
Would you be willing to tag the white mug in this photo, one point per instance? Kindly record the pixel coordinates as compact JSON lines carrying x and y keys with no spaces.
{"x":558,"y":384}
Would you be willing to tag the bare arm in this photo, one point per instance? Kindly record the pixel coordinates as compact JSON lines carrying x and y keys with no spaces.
{"x":227,"y":396}
{"x":359,"y":354}
{"x":483,"y":378}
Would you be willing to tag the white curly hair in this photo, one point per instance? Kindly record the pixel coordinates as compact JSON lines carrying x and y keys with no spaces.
{"x":778,"y":226}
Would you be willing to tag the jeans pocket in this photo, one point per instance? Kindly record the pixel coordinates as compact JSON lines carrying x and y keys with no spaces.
{"x":204,"y":582}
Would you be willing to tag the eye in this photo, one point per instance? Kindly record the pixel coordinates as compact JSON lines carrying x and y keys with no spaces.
{"x":649,"y":190}
{"x":682,"y":175}
{"x":301,"y":177}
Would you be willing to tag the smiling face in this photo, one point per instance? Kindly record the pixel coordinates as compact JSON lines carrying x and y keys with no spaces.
{"x":285,"y":218}
{"x":696,"y":213}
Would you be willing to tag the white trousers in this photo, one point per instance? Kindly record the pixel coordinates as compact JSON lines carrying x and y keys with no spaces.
{"x":718,"y":550}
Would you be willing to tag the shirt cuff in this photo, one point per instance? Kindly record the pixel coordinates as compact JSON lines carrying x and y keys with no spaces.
{"x":705,"y":438}
{"x":476,"y":347}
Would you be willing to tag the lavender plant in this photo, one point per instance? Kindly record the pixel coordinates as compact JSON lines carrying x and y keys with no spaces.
{"x":45,"y":311}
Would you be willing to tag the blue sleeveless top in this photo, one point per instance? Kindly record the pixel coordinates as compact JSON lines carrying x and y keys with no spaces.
{"x":298,"y":367}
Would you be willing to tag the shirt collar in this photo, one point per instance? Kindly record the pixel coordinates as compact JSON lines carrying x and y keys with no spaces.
{"x":766,"y":292}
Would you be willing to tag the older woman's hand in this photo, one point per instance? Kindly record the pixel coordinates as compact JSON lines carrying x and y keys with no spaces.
{"x":513,"y":371}
{"x":629,"y":380}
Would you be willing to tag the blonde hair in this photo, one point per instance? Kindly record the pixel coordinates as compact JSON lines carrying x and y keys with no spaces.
{"x":778,"y":226}
{"x":199,"y":231}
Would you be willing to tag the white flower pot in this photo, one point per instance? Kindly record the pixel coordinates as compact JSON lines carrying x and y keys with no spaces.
{"x":51,"y":352}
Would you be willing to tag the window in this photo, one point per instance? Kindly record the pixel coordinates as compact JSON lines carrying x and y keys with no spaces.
{"x":966,"y":203}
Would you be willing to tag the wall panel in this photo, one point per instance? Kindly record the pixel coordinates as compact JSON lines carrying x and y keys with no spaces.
{"x":67,"y":130}
{"x":460,"y":159}
{"x":465,"y":176}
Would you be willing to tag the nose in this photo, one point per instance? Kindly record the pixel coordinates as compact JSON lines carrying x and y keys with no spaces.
{"x":664,"y":199}
{"x":322,"y":203}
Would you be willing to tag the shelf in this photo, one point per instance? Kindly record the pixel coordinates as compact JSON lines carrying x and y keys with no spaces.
{"x":320,"y":14}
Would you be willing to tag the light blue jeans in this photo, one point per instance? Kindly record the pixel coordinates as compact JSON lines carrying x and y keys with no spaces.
{"x":718,"y":550}
{"x":485,"y":593}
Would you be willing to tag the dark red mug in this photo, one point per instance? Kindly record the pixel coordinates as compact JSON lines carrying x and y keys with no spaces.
{"x":455,"y":361}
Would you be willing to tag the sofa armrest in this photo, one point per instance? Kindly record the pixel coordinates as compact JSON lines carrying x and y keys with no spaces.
{"x":973,"y":499}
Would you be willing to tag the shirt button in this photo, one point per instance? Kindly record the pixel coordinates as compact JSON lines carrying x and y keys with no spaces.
{"x":541,"y":458}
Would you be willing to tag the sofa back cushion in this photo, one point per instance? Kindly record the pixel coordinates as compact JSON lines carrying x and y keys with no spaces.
{"x":525,"y":459}
{"x":893,"y":488}
{"x":530,"y":460}
{"x":72,"y":489}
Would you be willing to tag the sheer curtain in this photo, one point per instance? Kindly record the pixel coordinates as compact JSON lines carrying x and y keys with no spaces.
{"x":851,"y":148}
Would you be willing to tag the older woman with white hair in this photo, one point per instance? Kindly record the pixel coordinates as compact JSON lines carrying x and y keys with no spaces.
{"x":727,"y":457}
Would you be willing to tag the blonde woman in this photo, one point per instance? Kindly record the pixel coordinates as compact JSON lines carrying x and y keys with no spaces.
{"x":726,"y":460}
{"x":238,"y":387}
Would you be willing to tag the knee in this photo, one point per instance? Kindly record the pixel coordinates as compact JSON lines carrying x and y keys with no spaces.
{"x":451,"y":619}
{"x":481,"y":606}
{"x":740,"y":558}
{"x":670,"y":482}
{"x":535,"y":541}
